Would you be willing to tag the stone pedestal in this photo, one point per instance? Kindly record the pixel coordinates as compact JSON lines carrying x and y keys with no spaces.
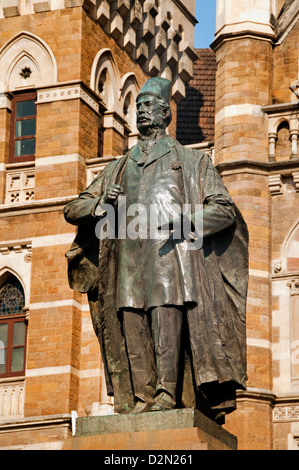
{"x":185,"y":429}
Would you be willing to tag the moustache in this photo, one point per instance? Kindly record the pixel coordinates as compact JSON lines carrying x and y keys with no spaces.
{"x":143,"y":116}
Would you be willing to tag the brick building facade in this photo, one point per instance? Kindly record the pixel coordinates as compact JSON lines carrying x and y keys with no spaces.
{"x":70,"y":71}
{"x":69,"y":74}
{"x":254,"y":61}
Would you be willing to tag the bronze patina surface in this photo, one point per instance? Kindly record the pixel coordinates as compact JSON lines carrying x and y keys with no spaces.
{"x":170,"y":320}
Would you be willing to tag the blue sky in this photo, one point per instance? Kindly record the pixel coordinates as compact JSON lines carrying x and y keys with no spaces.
{"x":206,"y":17}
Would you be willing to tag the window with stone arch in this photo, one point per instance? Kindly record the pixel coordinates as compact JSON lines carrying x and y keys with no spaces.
{"x":128,"y":95}
{"x":13,"y":327}
{"x":104,"y":82}
{"x":105,"y":79}
{"x":283,"y":144}
{"x":27,"y":64}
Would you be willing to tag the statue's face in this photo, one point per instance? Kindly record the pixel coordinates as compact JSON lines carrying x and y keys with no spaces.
{"x":150,"y":114}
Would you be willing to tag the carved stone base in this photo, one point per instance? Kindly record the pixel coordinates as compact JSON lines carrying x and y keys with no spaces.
{"x":185,"y":429}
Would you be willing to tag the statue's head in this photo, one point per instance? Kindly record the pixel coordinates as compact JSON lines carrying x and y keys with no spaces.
{"x":153,"y":109}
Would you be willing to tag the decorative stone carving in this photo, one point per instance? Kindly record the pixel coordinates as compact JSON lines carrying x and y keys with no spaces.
{"x":79,"y":3}
{"x":130,"y":40}
{"x":103,"y":13}
{"x":278,"y":268}
{"x":185,"y":67}
{"x":286,"y":413}
{"x":66,"y":93}
{"x":275,"y":184}
{"x":12,"y":400}
{"x":148,"y":30}
{"x":41,"y":5}
{"x":11,"y":7}
{"x":123,"y":6}
{"x":296,"y":180}
{"x":294,"y":286}
{"x":20,"y":186}
{"x":25,"y":50}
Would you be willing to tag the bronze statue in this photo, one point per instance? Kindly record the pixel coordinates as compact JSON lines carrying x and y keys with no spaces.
{"x":170,"y":319}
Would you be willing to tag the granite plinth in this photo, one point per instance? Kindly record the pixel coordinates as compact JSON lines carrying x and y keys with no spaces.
{"x":184,"y":429}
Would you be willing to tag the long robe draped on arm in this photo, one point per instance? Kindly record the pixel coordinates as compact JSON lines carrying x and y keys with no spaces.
{"x":215,"y":332}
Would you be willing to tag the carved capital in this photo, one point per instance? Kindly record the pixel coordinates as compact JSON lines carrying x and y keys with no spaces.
{"x":294,"y":286}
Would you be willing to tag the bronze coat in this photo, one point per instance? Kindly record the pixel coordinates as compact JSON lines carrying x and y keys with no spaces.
{"x":216,"y":323}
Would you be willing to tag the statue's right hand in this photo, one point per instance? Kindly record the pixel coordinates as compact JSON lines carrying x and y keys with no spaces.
{"x":112,"y":193}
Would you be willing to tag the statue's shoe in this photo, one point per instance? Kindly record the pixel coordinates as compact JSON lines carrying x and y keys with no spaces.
{"x":141,"y":407}
{"x":163,"y":402}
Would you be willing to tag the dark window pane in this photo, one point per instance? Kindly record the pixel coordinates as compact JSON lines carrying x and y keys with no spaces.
{"x":26,"y":127}
{"x":12,"y":298}
{"x":2,"y":361}
{"x":17,"y":362}
{"x":19,"y":334}
{"x":26,"y":108}
{"x":3,"y":334}
{"x":24,"y":147}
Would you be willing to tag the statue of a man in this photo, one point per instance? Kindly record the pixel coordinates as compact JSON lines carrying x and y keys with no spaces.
{"x":169,"y":314}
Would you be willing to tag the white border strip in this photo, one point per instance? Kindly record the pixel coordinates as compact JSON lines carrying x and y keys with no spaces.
{"x":59,"y":303}
{"x":259,"y":343}
{"x":59,"y":159}
{"x":239,"y":110}
{"x":53,"y":240}
{"x":258,"y":273}
{"x":51,"y":371}
{"x":68,"y":369}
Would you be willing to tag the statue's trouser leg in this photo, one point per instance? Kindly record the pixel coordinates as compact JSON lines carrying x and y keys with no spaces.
{"x":166,"y":331}
{"x":140,"y":349}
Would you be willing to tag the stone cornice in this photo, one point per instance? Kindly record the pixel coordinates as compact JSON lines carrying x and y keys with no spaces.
{"x":285,"y":408}
{"x":35,"y":422}
{"x":266,"y":167}
{"x":243,"y":30}
{"x":279,"y":108}
{"x":256,"y":395}
{"x":75,"y":89}
{"x":37,"y":205}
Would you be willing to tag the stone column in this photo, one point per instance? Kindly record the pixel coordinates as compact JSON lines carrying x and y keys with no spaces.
{"x":272,"y":145}
{"x":294,"y":133}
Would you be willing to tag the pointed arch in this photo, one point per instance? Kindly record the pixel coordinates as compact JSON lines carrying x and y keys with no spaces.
{"x":26,"y":50}
{"x":6,"y":272}
{"x":12,"y":294}
{"x":290,"y":250}
{"x":128,"y":94}
{"x":282,"y":120}
{"x":105,"y":79}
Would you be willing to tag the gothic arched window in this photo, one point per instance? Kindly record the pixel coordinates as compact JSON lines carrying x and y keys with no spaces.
{"x":13,"y":328}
